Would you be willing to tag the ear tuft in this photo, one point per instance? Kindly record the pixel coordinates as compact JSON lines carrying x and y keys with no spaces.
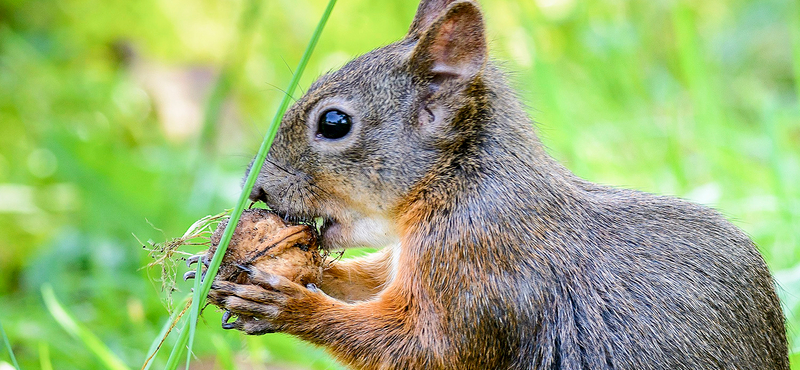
{"x":454,"y":45}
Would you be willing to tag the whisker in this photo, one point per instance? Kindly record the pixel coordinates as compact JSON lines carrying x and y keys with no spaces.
{"x":282,"y":90}
{"x":321,"y":190}
{"x":279,"y":166}
{"x":292,"y":72}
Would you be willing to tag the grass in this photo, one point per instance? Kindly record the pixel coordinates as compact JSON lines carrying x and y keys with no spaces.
{"x":7,"y":344}
{"x":169,"y":325}
{"x":79,"y":332}
{"x":694,"y":99}
{"x":201,"y":289}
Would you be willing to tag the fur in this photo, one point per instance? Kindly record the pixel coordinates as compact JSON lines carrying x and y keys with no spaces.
{"x":505,"y":259}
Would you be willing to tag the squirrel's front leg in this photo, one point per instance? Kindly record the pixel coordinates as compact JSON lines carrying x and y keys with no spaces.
{"x":395,"y":330}
{"x":358,"y":279}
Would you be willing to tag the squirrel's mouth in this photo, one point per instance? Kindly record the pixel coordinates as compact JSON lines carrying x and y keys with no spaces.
{"x":332,"y":232}
{"x":326,"y":226}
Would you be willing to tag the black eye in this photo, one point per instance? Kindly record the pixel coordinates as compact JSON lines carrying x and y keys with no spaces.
{"x":334,"y":124}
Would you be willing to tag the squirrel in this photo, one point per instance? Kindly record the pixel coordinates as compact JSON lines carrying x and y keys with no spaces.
{"x":494,"y":255}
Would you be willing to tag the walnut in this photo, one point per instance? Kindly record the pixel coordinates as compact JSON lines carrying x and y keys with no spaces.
{"x":263,"y":240}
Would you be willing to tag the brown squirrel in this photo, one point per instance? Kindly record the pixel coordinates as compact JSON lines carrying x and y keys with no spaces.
{"x":498,"y":256}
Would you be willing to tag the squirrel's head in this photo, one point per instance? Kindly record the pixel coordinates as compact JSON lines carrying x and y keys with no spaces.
{"x":359,"y":140}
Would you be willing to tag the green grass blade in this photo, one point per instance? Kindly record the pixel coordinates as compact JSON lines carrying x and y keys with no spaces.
{"x":259,"y":160}
{"x":794,"y":24}
{"x":94,"y":344}
{"x":165,"y":330}
{"x":44,"y":356}
{"x":180,"y":344}
{"x":8,"y":347}
{"x":229,"y":76}
{"x":193,"y":315}
{"x":200,"y":294}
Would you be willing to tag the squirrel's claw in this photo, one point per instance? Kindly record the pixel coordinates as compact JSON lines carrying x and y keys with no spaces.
{"x":198,"y":257}
{"x":244,"y":268}
{"x":192,"y":260}
{"x":229,"y":325}
{"x":192,"y":274}
{"x":226,"y":316}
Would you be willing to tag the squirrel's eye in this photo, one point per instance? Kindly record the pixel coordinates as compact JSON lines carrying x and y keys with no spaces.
{"x":334,"y":124}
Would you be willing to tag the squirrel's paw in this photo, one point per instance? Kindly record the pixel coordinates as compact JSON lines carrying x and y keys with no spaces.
{"x":272,"y":303}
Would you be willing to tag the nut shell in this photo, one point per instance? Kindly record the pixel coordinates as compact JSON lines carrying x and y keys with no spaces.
{"x":264,"y":241}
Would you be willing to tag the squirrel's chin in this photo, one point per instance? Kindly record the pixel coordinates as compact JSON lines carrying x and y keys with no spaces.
{"x":363,"y":232}
{"x":332,"y":236}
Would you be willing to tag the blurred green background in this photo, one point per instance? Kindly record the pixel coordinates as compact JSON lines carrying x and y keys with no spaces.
{"x":102,"y":135}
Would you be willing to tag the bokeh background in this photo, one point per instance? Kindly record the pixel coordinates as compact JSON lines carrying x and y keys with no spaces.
{"x":125,"y":121}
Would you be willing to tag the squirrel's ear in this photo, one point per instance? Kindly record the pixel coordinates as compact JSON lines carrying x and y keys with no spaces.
{"x":427,"y":12}
{"x":454,"y":45}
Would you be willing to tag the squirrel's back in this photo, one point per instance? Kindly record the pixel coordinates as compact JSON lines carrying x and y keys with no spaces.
{"x":573,"y":275}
